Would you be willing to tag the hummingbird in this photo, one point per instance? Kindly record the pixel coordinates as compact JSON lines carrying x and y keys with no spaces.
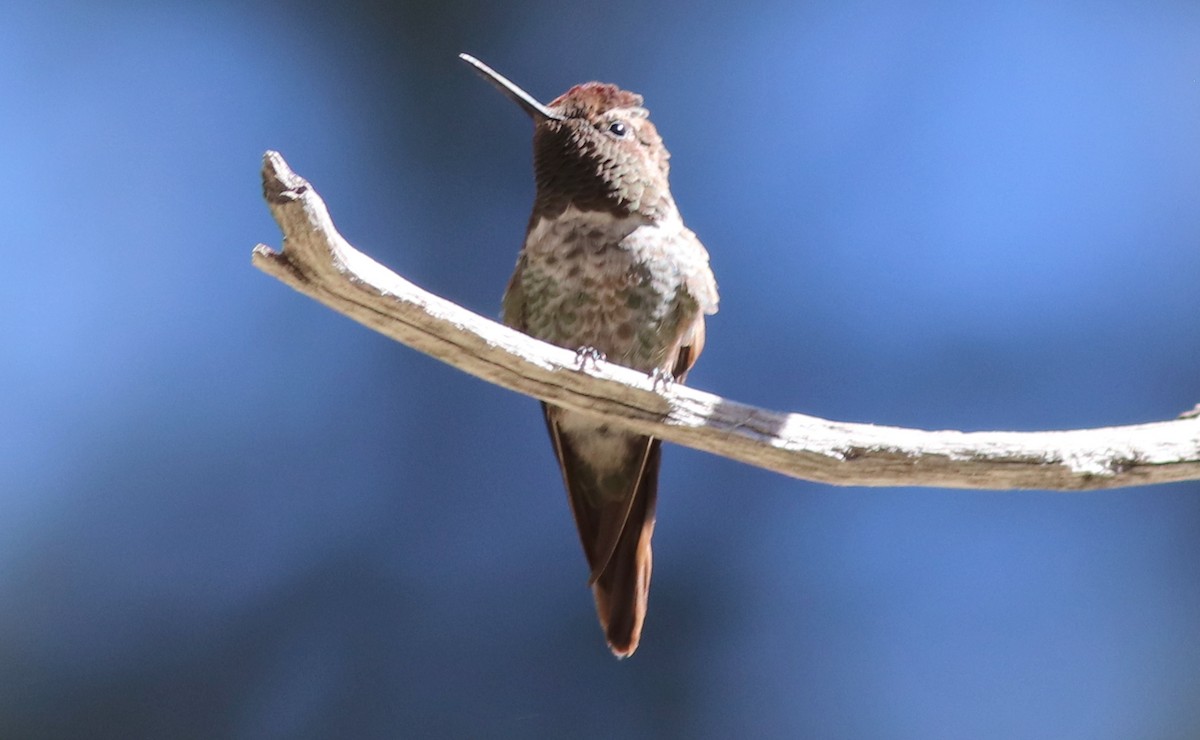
{"x":609,"y":270}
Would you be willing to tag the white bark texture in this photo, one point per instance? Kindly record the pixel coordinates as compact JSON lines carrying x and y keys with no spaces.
{"x":317,"y":261}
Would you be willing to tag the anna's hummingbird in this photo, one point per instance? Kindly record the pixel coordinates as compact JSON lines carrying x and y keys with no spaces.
{"x":607,"y":267}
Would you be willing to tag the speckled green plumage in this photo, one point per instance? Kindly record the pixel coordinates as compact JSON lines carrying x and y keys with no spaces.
{"x":616,"y":289}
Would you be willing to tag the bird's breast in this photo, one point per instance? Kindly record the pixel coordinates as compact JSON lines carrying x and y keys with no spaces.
{"x":590,"y":279}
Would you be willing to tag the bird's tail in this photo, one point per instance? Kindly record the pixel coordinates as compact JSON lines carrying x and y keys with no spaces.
{"x":622,"y":588}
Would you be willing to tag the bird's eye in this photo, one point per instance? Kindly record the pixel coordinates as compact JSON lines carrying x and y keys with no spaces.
{"x":618,"y":129}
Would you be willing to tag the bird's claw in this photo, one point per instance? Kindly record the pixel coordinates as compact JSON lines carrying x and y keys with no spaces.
{"x":661,"y":379}
{"x":585,"y":356}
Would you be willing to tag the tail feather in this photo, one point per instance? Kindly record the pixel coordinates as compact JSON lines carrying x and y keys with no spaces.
{"x":623,"y":588}
{"x":612,"y":483}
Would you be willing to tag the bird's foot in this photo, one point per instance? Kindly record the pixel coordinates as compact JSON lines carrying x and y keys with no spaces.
{"x":585,"y":356}
{"x":660,"y":379}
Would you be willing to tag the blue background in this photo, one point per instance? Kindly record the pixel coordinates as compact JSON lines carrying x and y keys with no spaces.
{"x":226,"y":511}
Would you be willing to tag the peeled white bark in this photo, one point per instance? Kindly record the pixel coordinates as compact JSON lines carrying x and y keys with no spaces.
{"x":317,"y":261}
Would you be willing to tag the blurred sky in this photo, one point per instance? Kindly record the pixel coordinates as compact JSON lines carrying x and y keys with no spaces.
{"x":226,"y":511}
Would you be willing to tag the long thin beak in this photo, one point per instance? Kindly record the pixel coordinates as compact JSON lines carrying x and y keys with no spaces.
{"x":536,"y":110}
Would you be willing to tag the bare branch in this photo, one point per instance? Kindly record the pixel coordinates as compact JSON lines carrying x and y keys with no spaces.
{"x":318,"y":262}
